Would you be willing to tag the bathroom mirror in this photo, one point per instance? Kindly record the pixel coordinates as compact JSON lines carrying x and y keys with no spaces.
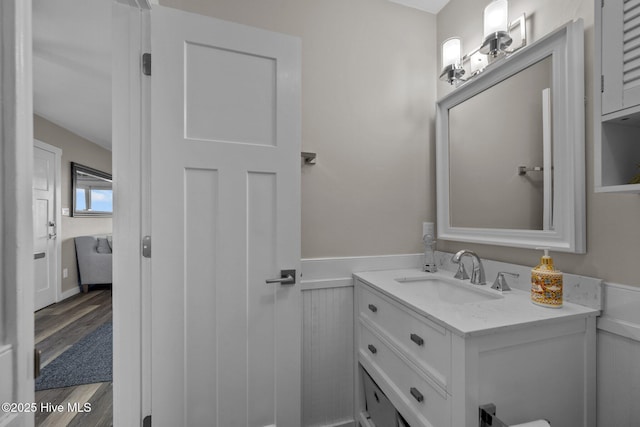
{"x":91,"y":191}
{"x":510,"y":149}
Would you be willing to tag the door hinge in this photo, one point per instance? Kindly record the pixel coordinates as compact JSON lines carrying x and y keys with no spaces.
{"x":147,"y":421}
{"x":146,"y":246}
{"x":602,"y":83}
{"x":146,"y":64}
{"x":36,"y":362}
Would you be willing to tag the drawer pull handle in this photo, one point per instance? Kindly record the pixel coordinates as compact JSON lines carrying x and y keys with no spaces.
{"x":372,"y":349}
{"x":373,"y":308}
{"x":417,"y":339}
{"x":416,"y":394}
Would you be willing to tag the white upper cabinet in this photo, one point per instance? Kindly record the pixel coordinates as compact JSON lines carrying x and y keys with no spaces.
{"x":620,"y":54}
{"x":617,"y":111}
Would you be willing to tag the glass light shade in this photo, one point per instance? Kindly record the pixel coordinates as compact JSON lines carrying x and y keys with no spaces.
{"x":451,"y":51}
{"x":496,"y":17}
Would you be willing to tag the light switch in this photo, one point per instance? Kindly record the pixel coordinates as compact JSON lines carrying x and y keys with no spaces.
{"x":65,"y":211}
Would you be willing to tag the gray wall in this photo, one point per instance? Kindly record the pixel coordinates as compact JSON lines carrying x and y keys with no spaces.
{"x":613,"y":232}
{"x":368,"y":102}
{"x":79,"y":150}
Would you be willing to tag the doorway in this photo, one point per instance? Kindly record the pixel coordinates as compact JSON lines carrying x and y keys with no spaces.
{"x":72,"y":111}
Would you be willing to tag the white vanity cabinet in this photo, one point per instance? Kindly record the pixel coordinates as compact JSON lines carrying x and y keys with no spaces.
{"x":437,"y":371}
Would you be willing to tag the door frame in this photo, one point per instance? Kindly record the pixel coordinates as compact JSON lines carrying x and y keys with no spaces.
{"x":131,"y":147}
{"x":16,"y":212}
{"x":16,"y":224}
{"x":57,"y":213}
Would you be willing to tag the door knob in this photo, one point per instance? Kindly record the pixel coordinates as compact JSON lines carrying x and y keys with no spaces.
{"x":287,"y":277}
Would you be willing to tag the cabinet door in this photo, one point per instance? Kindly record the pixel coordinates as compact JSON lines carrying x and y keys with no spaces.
{"x":620,"y":54}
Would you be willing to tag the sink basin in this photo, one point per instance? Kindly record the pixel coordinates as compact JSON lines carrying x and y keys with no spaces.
{"x":444,"y":290}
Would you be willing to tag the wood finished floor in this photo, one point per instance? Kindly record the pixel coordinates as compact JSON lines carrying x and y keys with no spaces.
{"x":57,"y":328}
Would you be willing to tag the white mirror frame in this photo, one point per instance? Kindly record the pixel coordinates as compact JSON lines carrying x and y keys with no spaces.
{"x":566,"y":45}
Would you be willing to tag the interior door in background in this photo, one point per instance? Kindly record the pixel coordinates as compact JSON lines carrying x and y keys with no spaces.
{"x":225,"y":203}
{"x":45,"y":225}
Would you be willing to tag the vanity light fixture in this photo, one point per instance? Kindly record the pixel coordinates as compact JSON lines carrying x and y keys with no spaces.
{"x":497,"y":40}
{"x":452,"y":69}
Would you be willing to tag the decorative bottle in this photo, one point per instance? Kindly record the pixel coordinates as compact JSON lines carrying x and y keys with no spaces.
{"x":546,"y":283}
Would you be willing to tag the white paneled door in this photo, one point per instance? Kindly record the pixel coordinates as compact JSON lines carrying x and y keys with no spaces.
{"x":225,"y":200}
{"x":45,"y":256}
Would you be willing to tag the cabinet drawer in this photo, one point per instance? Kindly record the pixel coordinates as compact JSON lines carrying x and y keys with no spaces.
{"x":409,"y":389}
{"x":425,"y":343}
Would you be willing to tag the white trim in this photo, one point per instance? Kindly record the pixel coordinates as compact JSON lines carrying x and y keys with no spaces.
{"x":621,"y":313}
{"x":57,"y":212}
{"x":16,"y":146}
{"x":619,"y":327}
{"x":145,"y":189}
{"x":128,"y":30}
{"x":314,"y":269}
{"x":597,"y":103}
{"x":340,"y":282}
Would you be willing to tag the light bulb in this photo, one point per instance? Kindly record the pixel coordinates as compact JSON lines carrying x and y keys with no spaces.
{"x":496,"y":17}
{"x":451,"y":52}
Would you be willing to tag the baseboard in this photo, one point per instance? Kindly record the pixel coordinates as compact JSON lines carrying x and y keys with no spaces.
{"x":69,"y":293}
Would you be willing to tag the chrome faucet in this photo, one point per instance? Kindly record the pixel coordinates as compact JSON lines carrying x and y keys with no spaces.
{"x":477,"y":275}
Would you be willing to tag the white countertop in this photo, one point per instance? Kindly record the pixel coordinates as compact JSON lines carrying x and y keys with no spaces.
{"x":510,"y":310}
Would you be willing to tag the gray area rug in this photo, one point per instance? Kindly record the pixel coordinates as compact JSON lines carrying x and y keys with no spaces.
{"x":88,"y":361}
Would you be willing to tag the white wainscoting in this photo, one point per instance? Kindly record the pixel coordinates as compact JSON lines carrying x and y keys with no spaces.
{"x":328,"y":363}
{"x":327,"y":335}
{"x":618,"y":366}
{"x":327,"y":367}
